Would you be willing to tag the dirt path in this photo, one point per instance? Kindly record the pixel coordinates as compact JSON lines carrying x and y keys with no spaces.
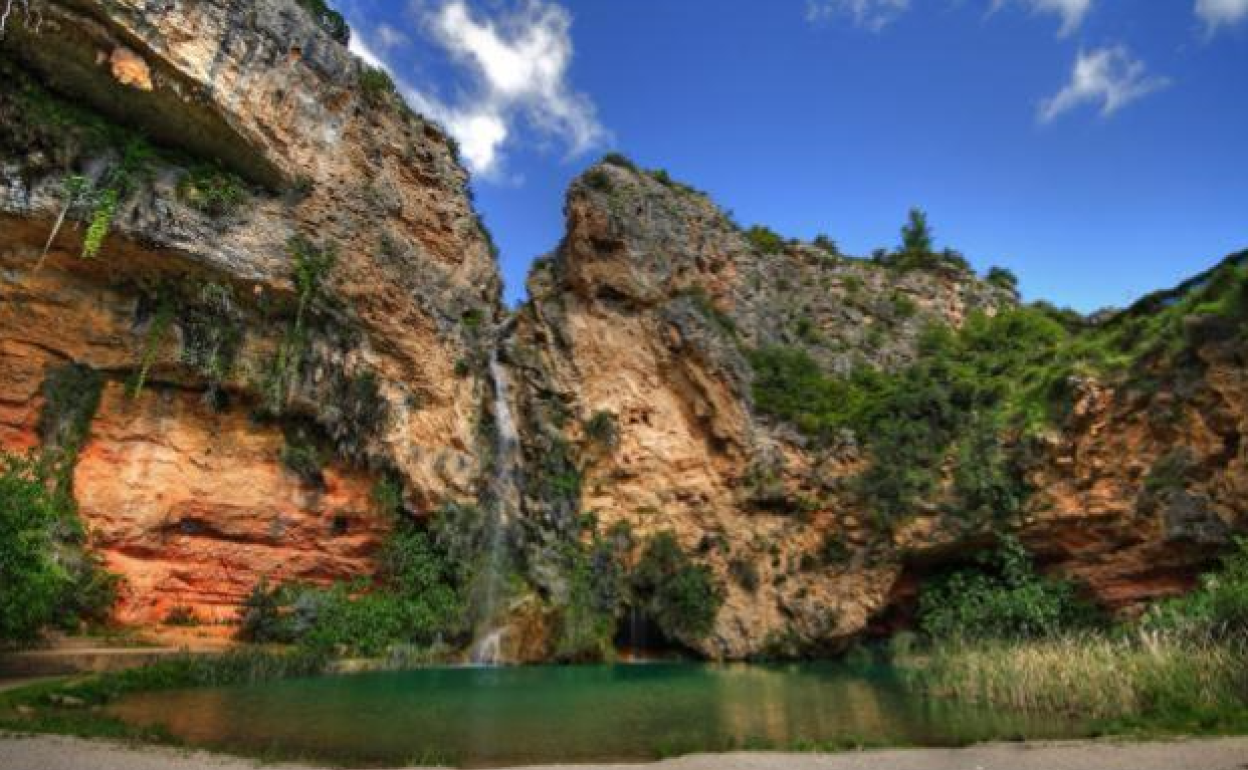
{"x":56,"y":753}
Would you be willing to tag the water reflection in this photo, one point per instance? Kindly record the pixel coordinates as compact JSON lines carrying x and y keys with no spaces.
{"x":491,"y":717}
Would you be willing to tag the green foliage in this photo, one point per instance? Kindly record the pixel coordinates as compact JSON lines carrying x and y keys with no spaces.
{"x":598,"y":179}
{"x":387,"y":495}
{"x":617,"y":159}
{"x":706,"y":306}
{"x":33,"y":580}
{"x":916,"y":234}
{"x":765,"y":240}
{"x":596,"y":595}
{"x":303,"y":455}
{"x":1003,"y":597}
{"x":71,"y":396}
{"x":212,"y":190}
{"x":918,"y":252}
{"x":100,"y":222}
{"x":157,"y":327}
{"x":825,"y":242}
{"x":328,"y":19}
{"x":1002,"y":278}
{"x":376,"y":85}
{"x":680,"y":596}
{"x":603,"y":428}
{"x":1171,"y":471}
{"x":116,"y":185}
{"x":1217,"y":610}
{"x":310,"y":268}
{"x":833,"y":551}
{"x":417,"y":599}
{"x":212,"y":335}
{"x":959,"y":401}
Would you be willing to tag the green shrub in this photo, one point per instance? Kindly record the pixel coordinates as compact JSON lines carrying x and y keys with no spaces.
{"x":33,"y":581}
{"x":682,"y":597}
{"x":603,"y":428}
{"x":619,"y":160}
{"x":1217,"y":610}
{"x":765,"y":240}
{"x":376,"y":85}
{"x":1171,"y":471}
{"x":1003,"y":597}
{"x":597,"y":590}
{"x":328,"y":19}
{"x":833,"y":551}
{"x":302,"y":454}
{"x":212,"y":190}
{"x":964,"y":395}
{"x":115,"y":186}
{"x":826,"y":243}
{"x":707,"y":308}
{"x":916,"y":234}
{"x":1002,"y":278}
{"x":417,"y":599}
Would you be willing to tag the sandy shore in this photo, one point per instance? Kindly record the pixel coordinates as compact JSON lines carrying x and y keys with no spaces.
{"x":57,"y":753}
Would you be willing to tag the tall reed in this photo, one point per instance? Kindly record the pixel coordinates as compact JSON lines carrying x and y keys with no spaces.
{"x":1094,"y":675}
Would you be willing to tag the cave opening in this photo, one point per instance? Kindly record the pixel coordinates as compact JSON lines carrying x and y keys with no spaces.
{"x":639,"y":637}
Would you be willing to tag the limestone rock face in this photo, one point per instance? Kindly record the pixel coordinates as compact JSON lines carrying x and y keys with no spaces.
{"x":643,"y":314}
{"x":1101,"y":517}
{"x":191,"y":502}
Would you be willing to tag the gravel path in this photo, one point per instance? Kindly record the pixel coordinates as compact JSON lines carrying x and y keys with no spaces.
{"x":57,"y":753}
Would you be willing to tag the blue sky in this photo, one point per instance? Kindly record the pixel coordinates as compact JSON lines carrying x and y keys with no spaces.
{"x":1098,"y":148}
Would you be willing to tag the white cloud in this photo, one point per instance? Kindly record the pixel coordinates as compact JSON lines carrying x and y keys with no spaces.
{"x":871,"y":14}
{"x":1072,"y":12}
{"x":1108,"y":76}
{"x":518,"y":61}
{"x":1215,"y":13}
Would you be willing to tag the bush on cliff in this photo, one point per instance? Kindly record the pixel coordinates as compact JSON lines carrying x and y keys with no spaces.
{"x":967,"y":392}
{"x":678,"y":594}
{"x":32,"y":583}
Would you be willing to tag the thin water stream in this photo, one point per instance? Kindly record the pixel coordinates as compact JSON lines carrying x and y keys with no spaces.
{"x":502,"y":507}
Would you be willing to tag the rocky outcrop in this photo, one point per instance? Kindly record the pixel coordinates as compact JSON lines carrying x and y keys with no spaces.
{"x":1146,"y":484}
{"x":200,"y":299}
{"x":643,"y":319}
{"x":642,"y":316}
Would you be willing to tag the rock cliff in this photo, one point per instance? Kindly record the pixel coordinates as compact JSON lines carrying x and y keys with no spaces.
{"x":271,"y":240}
{"x":244,"y":292}
{"x":647,"y":315}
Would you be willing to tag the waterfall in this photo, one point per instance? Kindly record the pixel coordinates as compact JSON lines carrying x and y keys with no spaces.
{"x":503,"y":504}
